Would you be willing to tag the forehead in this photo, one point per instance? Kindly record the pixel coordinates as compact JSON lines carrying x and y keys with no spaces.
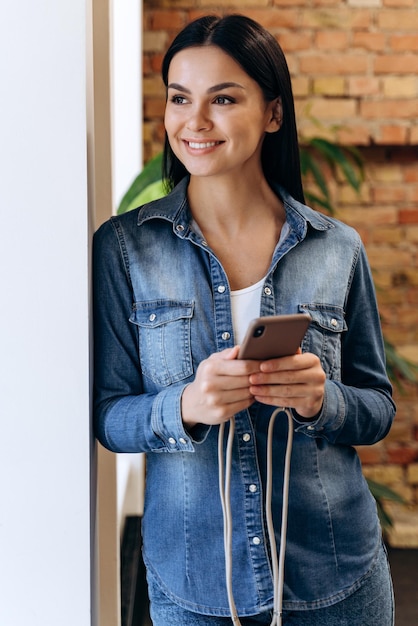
{"x":207,"y":65}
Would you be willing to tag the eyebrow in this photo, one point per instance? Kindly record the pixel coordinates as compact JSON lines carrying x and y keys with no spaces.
{"x":218,"y":87}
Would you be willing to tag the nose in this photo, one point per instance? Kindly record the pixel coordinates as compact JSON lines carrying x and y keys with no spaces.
{"x":199,"y":119}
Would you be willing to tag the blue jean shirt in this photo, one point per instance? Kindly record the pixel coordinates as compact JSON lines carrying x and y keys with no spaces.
{"x":161,"y":306}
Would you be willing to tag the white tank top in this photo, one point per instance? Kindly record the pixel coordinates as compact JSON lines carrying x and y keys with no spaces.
{"x":245,"y":306}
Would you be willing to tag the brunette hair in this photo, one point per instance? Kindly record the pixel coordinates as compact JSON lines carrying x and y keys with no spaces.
{"x":261,"y":57}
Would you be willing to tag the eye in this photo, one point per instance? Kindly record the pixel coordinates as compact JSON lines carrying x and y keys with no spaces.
{"x":223,"y":100}
{"x":178,"y":100}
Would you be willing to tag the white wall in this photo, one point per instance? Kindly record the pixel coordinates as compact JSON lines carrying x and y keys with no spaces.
{"x":45,"y":551}
{"x":126,"y":81}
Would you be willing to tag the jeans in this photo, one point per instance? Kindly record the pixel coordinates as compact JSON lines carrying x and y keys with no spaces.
{"x":371,"y":605}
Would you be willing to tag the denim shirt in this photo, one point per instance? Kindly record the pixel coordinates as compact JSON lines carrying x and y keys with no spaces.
{"x":162,"y":305}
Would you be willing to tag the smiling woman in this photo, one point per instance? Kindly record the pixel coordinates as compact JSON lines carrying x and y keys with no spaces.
{"x":176,"y":280}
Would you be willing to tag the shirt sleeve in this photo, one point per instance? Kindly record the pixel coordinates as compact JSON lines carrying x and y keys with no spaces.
{"x":126,"y":419}
{"x":358,"y":410}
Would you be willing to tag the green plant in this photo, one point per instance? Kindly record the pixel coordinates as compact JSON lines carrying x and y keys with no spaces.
{"x":147,"y":186}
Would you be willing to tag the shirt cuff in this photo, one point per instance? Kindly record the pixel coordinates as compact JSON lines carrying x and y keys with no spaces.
{"x":167,"y":424}
{"x":330,"y":419}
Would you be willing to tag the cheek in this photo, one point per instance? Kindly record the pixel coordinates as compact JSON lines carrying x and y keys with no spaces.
{"x":171,"y":121}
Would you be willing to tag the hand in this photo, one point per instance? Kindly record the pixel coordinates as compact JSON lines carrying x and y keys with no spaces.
{"x":297,"y":382}
{"x":219,"y":390}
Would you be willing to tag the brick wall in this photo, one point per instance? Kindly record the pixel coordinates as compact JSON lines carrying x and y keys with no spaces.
{"x":354,"y":67}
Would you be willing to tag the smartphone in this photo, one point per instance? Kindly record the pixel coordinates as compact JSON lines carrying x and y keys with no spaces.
{"x":274,"y":336}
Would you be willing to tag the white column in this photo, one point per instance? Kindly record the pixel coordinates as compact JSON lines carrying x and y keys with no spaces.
{"x":126,"y":115}
{"x":45,"y":547}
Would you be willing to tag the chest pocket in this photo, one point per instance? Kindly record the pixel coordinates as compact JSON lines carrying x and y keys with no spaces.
{"x":324,"y":336}
{"x":164,"y":339}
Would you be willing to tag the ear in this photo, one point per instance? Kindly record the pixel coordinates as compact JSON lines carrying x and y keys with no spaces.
{"x":276,"y":116}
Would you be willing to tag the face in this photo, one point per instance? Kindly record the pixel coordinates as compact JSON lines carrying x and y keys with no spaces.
{"x":216,"y":116}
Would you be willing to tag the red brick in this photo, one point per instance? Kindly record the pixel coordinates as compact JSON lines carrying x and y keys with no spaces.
{"x":331,"y":40}
{"x":363,"y":86}
{"x":389,"y":194}
{"x":156,"y":62}
{"x":392,"y":134}
{"x":396,"y":64}
{"x":154,"y":108}
{"x":389,"y":109}
{"x":369,"y":41}
{"x":273,"y":19}
{"x":402,"y":455}
{"x":146,"y":65}
{"x":370,"y":455}
{"x":167,"y":20}
{"x":289,"y":3}
{"x":408,"y":217}
{"x":404,"y":42}
{"x":398,"y":3}
{"x":397,"y":19}
{"x":295,"y":41}
{"x":414,"y":134}
{"x":410,"y":172}
{"x":413,"y":194}
{"x":334,"y":64}
{"x":354,"y":134}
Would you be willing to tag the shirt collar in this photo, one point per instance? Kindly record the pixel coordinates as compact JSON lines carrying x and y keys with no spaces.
{"x":174,"y":208}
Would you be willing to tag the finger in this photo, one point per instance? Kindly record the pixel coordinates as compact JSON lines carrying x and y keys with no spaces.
{"x":297,"y":361}
{"x":279,"y":391}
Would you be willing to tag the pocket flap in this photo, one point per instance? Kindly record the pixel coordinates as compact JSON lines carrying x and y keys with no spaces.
{"x":157,"y":312}
{"x":329,"y":317}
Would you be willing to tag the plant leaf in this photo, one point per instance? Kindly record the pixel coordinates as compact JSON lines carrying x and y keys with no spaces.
{"x":338,"y":156}
{"x":310,"y":165}
{"x":381,"y":491}
{"x":151,"y":173}
{"x":154,"y":191}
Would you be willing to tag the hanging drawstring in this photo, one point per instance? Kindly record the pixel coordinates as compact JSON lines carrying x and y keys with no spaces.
{"x":225,"y":467}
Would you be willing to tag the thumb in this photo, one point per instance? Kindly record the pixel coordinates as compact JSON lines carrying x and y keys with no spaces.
{"x":231,"y":353}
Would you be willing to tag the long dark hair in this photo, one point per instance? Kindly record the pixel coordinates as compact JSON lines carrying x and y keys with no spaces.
{"x":261,"y":57}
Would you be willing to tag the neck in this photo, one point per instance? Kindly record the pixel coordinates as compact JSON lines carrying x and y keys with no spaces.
{"x":228,"y":203}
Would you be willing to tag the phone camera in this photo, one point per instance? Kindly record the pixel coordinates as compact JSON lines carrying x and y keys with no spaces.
{"x":258,"y":331}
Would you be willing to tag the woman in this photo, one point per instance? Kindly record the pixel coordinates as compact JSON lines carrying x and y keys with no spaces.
{"x":176,"y":283}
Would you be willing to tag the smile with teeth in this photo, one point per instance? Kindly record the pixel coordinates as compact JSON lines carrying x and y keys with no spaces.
{"x":202,"y":145}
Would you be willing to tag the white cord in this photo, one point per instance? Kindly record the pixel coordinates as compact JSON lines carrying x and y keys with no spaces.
{"x":224,"y":490}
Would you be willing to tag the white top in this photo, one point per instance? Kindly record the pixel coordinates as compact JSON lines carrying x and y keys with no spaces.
{"x":245,"y":306}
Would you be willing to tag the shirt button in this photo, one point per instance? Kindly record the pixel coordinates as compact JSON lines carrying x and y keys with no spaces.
{"x":311,"y":428}
{"x":226,"y":336}
{"x":253,"y":488}
{"x":267,"y":291}
{"x":256,"y":541}
{"x":182,"y":441}
{"x":204,"y":243}
{"x":172,"y":441}
{"x":246,"y":437}
{"x":152,"y":317}
{"x":334,"y":322}
{"x":221,"y":289}
{"x":179,"y":228}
